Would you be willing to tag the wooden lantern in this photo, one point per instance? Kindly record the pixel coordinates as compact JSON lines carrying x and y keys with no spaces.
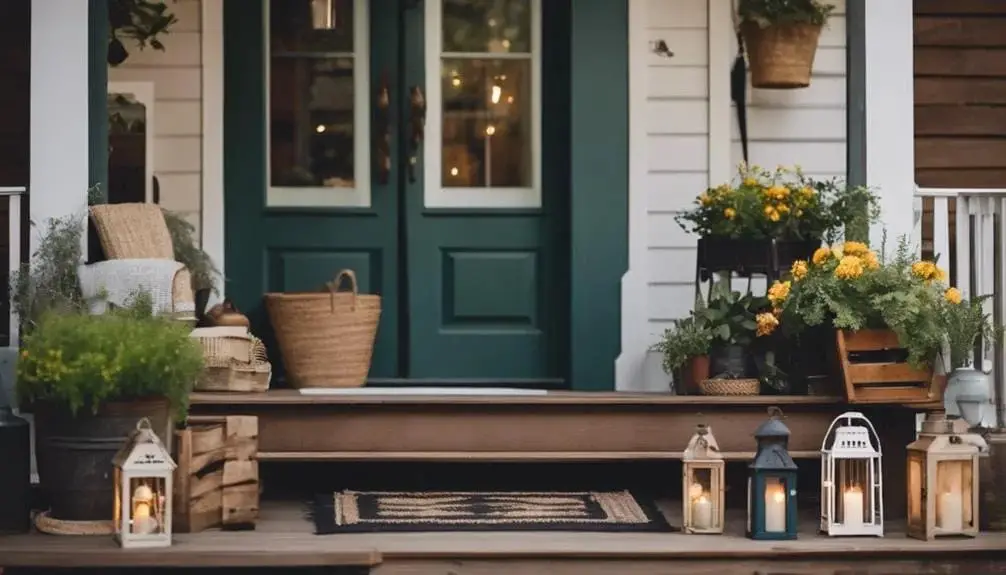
{"x":852,"y":498}
{"x":772,"y":483}
{"x":143,"y":473}
{"x":942,"y":480}
{"x":702,"y":484}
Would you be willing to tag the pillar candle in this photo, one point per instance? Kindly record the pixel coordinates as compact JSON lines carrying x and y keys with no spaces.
{"x":702,"y":513}
{"x":950,"y":512}
{"x":852,"y":507}
{"x":775,"y":509}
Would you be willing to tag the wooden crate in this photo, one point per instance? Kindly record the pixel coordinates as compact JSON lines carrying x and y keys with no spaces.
{"x":882,"y":382}
{"x":217,"y":480}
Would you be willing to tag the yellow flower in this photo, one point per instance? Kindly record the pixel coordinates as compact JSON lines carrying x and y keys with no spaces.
{"x":807,"y":192}
{"x":820,"y":255}
{"x":849,"y":267}
{"x":939,"y":274}
{"x":928,"y":271}
{"x":870,"y":260}
{"x":730,"y":213}
{"x":953,"y":295}
{"x":767,"y":322}
{"x":750,"y":182}
{"x":779,"y":292}
{"x":798,"y":213}
{"x":783,"y":208}
{"x":777,"y":192}
{"x":855,"y":248}
{"x":799,"y":269}
{"x":705,"y":200}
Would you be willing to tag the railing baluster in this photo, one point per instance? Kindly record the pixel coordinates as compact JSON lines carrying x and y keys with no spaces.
{"x":13,"y":252}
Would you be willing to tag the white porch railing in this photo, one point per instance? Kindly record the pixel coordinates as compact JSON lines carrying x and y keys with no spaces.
{"x":14,"y":196}
{"x":963,"y":228}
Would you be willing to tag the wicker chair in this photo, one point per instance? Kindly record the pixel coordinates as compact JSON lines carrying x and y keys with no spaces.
{"x":138,"y":232}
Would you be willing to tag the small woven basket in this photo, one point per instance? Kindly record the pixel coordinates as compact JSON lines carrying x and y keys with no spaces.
{"x":326,"y":338}
{"x":729,"y":386}
{"x":781,"y":56}
{"x":229,"y":374}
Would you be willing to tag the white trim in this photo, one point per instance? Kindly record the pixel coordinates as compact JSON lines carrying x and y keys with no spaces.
{"x":890,"y":120}
{"x":144,"y":94}
{"x":434,"y":194}
{"x":13,"y":195}
{"x":359,"y":195}
{"x":212,"y":228}
{"x":59,"y":90}
{"x":721,"y":46}
{"x":629,"y":374}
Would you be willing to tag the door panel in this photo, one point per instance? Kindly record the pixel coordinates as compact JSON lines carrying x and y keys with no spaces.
{"x":477,"y":260}
{"x":300,"y":201}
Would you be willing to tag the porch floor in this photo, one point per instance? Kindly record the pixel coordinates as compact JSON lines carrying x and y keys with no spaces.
{"x":284,"y":538}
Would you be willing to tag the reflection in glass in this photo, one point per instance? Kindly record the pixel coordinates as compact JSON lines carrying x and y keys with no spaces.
{"x":127,"y":149}
{"x":486,"y":123}
{"x":311,"y":93}
{"x":487,"y":26}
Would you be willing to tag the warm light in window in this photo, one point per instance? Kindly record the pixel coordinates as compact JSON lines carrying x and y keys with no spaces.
{"x":456,"y":82}
{"x":454,"y":171}
{"x":506,"y":44}
{"x":490,"y":130}
{"x":320,"y":128}
{"x":497,"y":92}
{"x":509,"y":100}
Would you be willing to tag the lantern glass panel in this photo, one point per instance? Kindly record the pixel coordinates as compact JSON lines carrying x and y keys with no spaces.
{"x":954,"y":484}
{"x":916,"y":483}
{"x":853,"y":494}
{"x":147,"y":505}
{"x":775,"y":504}
{"x":701,"y":499}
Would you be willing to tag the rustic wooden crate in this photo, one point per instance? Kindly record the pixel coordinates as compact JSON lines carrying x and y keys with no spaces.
{"x":217,"y":480}
{"x":886,"y":382}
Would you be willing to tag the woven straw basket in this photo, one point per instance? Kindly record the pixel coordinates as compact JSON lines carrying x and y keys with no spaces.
{"x":781,"y":56}
{"x":326,"y":338}
{"x":729,"y":386}
{"x":234,"y":360}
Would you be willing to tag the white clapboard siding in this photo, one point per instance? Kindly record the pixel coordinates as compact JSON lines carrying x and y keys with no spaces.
{"x":177,"y":76}
{"x":803,"y":127}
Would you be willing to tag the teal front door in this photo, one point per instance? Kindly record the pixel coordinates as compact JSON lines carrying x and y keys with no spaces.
{"x":402,"y":140}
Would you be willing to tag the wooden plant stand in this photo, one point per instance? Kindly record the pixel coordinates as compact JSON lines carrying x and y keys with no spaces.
{"x":882,"y":382}
{"x":217,"y":480}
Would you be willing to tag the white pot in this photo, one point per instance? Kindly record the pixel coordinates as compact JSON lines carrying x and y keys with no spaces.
{"x":968,"y":390}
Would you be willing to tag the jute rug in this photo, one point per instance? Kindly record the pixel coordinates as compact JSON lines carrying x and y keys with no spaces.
{"x":380,"y":511}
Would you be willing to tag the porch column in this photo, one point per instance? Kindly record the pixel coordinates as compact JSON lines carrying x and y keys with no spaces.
{"x":58,"y":173}
{"x":890,"y":115}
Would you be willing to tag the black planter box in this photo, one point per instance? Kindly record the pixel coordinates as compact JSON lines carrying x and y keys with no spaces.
{"x":748,"y":256}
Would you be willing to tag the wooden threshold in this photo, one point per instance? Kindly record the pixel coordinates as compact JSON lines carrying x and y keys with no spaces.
{"x":284,"y":538}
{"x":502,"y":456}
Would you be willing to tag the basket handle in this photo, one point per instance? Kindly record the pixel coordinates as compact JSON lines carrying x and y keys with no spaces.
{"x":333,"y":286}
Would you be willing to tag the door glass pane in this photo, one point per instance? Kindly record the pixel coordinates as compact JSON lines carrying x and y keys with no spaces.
{"x":487,"y":26}
{"x":311,"y":96}
{"x":127,"y":149}
{"x":487,"y":97}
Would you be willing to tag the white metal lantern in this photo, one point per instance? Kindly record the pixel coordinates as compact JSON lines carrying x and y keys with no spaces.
{"x":702,"y":481}
{"x":852,"y":499}
{"x":143,"y":474}
{"x":942,"y":480}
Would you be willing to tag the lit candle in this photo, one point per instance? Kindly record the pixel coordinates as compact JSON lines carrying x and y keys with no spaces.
{"x":702,"y":513}
{"x":775,"y":509}
{"x":142,"y":522}
{"x":852,"y":507}
{"x":950,"y":513}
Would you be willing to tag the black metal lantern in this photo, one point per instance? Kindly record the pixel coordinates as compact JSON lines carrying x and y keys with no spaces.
{"x":772,"y":483}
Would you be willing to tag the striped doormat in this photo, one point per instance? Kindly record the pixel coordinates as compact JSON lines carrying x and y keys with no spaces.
{"x":390,"y":511}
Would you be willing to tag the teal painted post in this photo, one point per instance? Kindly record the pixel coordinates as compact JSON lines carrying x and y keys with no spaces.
{"x":97,"y":95}
{"x":855,"y":65}
{"x":599,"y":194}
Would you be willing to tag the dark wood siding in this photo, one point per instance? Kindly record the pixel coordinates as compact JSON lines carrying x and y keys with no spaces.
{"x":15,"y":101}
{"x":960,"y":93}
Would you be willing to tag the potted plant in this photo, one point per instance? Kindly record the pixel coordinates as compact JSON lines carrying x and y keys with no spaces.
{"x":731,"y":318}
{"x":886,"y":314}
{"x":766,"y":220}
{"x":781,"y":38}
{"x":966,"y":321}
{"x":685,"y":351}
{"x":88,"y":379}
{"x":142,"y":21}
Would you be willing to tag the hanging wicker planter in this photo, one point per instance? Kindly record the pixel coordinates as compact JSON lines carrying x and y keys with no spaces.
{"x":781,"y":56}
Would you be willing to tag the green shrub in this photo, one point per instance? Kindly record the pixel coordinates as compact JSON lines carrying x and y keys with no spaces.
{"x":83,"y":361}
{"x":768,"y":12}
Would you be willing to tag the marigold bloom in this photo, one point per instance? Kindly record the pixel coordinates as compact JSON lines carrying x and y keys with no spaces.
{"x":799,"y":269}
{"x":855,"y":248}
{"x":821,"y":255}
{"x":953,"y":295}
{"x":729,"y":213}
{"x":767,"y":322}
{"x":778,"y":292}
{"x":849,"y":267}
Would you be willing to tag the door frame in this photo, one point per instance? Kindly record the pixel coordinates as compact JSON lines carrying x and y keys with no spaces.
{"x":596,"y":230}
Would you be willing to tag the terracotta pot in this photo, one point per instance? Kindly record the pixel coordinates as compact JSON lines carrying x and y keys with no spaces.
{"x":781,"y":56}
{"x":692,"y":373}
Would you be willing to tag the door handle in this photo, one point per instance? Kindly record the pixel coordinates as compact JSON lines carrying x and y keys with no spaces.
{"x":417,"y":128}
{"x":382,"y":133}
